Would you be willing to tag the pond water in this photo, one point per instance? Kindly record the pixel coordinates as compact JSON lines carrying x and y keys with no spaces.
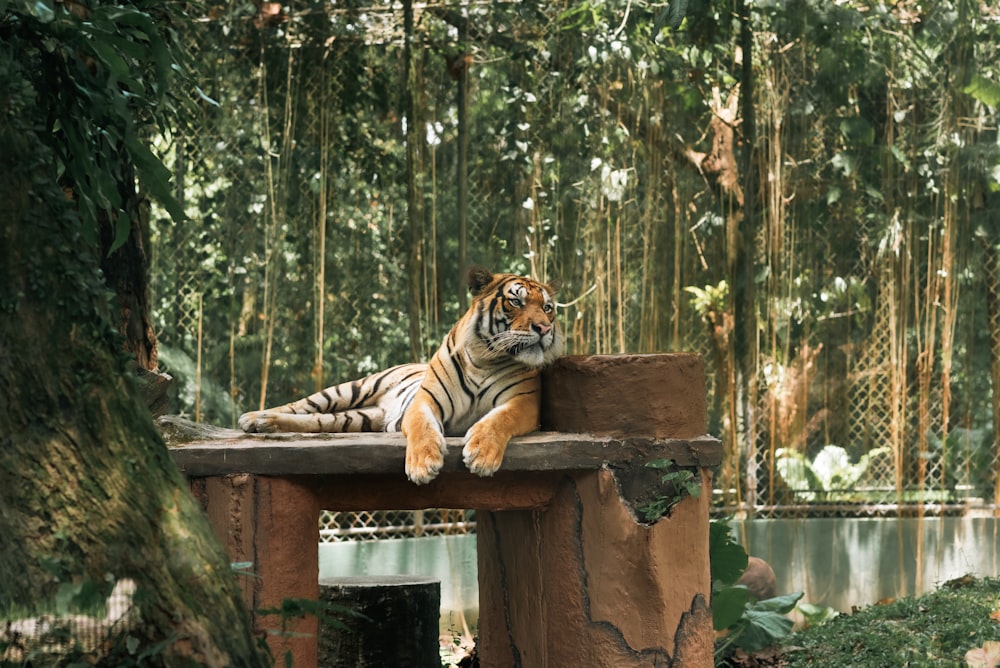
{"x":836,"y":562}
{"x":844,"y":562}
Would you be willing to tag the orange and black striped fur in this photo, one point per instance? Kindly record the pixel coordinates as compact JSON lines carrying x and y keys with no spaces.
{"x":483,"y":382}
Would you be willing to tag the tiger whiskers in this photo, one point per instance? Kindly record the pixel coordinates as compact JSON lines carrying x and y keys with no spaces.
{"x":511,"y":342}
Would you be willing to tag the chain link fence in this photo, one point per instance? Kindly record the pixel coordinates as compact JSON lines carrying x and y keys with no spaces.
{"x":338,"y":527}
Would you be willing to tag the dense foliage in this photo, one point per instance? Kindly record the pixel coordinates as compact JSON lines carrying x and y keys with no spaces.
{"x":805,"y":191}
{"x":100,"y":75}
{"x":955,"y":625}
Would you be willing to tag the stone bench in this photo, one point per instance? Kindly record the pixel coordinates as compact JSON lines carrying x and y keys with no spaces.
{"x":569,"y":575}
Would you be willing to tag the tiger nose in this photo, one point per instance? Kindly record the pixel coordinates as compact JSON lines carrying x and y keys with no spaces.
{"x":541,"y":328}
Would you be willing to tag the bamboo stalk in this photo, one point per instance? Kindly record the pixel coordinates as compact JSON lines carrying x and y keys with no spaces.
{"x":414,"y":213}
{"x":197,"y":382}
{"x":268,"y":231}
{"x":462,"y":93}
{"x":277,"y":187}
{"x":320,"y":259}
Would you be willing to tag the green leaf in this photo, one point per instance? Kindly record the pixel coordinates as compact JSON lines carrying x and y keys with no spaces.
{"x":113,"y":60}
{"x":64,"y":597}
{"x":728,"y":606}
{"x":797,"y":472}
{"x":579,"y":16}
{"x":132,"y":17}
{"x":763,"y":629}
{"x":728,"y":558}
{"x":43,"y":10}
{"x":677,"y":11}
{"x":654,"y":510}
{"x":832,"y":465}
{"x":129,"y":47}
{"x":984,"y":90}
{"x":163,"y":60}
{"x":146,"y":160}
{"x":901,"y":157}
{"x":205,"y":97}
{"x":780,"y":604}
{"x":123,"y":227}
{"x":816,"y":614}
{"x":106,"y":188}
{"x":154,"y":176}
{"x":857,"y":129}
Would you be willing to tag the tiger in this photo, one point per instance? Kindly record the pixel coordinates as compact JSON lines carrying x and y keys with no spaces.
{"x":484,"y":382}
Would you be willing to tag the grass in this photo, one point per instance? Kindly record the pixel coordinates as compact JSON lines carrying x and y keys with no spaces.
{"x":936,"y":629}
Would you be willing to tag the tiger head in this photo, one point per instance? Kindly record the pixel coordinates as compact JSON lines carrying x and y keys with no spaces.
{"x":514,"y":316}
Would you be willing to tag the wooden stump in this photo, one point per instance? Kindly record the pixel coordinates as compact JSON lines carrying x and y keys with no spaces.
{"x":399,"y":626}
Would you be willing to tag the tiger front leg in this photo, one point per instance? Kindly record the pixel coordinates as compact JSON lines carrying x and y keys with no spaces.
{"x":486,"y":441}
{"x":425,"y":444}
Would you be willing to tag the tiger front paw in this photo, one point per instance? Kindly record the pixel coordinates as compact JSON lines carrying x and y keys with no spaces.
{"x":483,"y":451}
{"x":259,"y":422}
{"x":424,"y":458}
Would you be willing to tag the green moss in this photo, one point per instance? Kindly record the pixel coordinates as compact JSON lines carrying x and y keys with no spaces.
{"x":935,"y":629}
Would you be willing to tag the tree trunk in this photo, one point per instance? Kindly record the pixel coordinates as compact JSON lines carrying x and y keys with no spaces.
{"x":126,"y":272}
{"x":742,"y":268}
{"x":722,"y":172}
{"x":88,"y":493}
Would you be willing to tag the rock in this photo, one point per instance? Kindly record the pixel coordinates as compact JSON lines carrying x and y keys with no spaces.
{"x":759,"y":579}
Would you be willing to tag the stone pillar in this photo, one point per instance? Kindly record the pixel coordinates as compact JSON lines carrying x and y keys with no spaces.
{"x":270,"y":528}
{"x":582,"y":582}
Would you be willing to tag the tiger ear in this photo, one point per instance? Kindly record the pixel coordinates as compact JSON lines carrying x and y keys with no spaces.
{"x":478,"y":278}
{"x":554,"y":286}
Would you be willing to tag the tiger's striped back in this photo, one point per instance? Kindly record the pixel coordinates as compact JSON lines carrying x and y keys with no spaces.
{"x":372,"y":403}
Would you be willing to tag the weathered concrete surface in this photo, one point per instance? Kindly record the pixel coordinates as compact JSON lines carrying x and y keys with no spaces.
{"x":201,"y":451}
{"x":581,"y":584}
{"x":639,"y":395}
{"x":270,"y":527}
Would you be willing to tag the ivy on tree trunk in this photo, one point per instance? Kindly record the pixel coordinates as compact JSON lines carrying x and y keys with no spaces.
{"x":88,"y":492}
